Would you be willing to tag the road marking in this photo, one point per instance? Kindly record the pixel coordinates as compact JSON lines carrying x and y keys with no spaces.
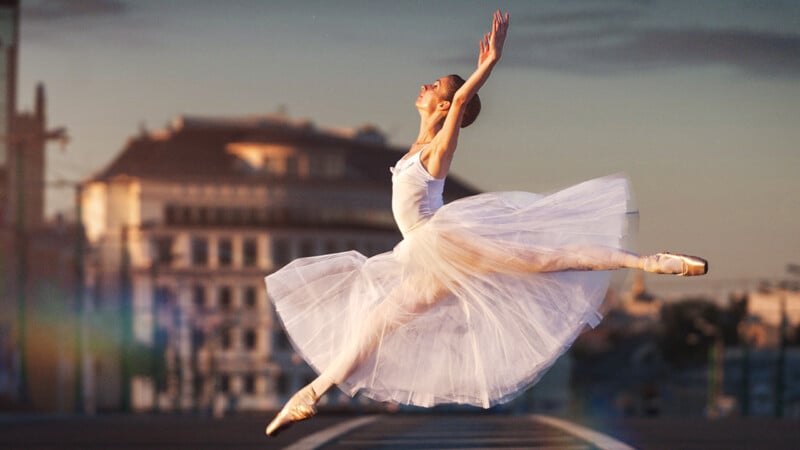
{"x":326,"y":435}
{"x":599,"y":440}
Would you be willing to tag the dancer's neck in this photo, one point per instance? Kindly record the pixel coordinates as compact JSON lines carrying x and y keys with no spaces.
{"x":429,"y":127}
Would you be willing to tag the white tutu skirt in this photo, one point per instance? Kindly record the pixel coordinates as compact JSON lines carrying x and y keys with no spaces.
{"x":448,"y":316}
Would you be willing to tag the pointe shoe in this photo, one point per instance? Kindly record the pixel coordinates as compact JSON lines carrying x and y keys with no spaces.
{"x":676,"y":264}
{"x":301,"y":406}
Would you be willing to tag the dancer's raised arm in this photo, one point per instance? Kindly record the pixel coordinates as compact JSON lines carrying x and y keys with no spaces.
{"x":491,"y":48}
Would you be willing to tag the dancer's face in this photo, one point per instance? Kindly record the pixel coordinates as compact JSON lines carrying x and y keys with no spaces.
{"x":432,"y":95}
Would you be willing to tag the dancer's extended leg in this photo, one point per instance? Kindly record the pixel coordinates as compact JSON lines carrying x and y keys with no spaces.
{"x":579,"y":257}
{"x":490,"y":259}
{"x":594,"y":257}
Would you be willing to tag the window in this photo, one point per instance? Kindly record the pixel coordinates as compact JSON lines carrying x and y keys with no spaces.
{"x":292,"y":166}
{"x":161,"y":297}
{"x":198,"y":338}
{"x":224,"y":297}
{"x":307,"y":247}
{"x":199,"y":296}
{"x":282,"y":341}
{"x":226,"y":337}
{"x":250,"y":253}
{"x":220,"y":215}
{"x":184,"y":215}
{"x":238,"y":216}
{"x":170,"y":214}
{"x":203,"y":216}
{"x":199,"y":251}
{"x":198,"y":383}
{"x":250,"y":384}
{"x":273,"y":166}
{"x":331,"y":246}
{"x":283,"y":384}
{"x":262,"y":216}
{"x":162,"y":247}
{"x":250,"y":340}
{"x":225,"y":384}
{"x":250,"y":297}
{"x":326,"y":166}
{"x":251,"y":217}
{"x":280,"y":252}
{"x":225,"y":252}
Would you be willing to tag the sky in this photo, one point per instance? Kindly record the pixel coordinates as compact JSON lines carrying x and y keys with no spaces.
{"x":697,"y":102}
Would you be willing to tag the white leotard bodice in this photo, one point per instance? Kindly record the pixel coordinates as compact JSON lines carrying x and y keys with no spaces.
{"x":416,"y":194}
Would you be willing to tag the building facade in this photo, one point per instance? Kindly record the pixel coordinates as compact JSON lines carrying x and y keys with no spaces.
{"x":9,"y":21}
{"x":183,"y":226}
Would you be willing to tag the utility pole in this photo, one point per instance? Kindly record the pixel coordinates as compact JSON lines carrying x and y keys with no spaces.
{"x":80,"y":278}
{"x":126,"y":313}
{"x":21,"y":247}
{"x":780,"y":369}
{"x":19,"y":142}
{"x":744,"y":341}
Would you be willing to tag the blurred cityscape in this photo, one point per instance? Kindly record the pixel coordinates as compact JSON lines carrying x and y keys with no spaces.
{"x":149,"y":296}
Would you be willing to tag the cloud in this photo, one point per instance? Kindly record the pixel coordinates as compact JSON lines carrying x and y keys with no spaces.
{"x":633,"y":36}
{"x":756,"y":52}
{"x":617,"y":49}
{"x":577,"y":17}
{"x":50,"y":10}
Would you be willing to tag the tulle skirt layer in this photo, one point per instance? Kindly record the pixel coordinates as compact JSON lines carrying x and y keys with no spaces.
{"x":453,"y":314}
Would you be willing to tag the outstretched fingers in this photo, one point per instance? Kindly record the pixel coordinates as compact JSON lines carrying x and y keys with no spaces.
{"x":484,"y":48}
{"x":497,"y":36}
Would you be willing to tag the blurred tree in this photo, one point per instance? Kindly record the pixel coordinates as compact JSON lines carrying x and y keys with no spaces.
{"x":684,"y":341}
{"x":731,"y":317}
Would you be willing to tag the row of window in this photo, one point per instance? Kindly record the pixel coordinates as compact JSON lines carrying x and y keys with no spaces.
{"x":283,"y":250}
{"x":224,"y":297}
{"x":304,"y":166}
{"x":248,"y":384}
{"x":226,"y":338}
{"x":200,"y":256}
{"x":175,"y":215}
{"x":283,"y":383}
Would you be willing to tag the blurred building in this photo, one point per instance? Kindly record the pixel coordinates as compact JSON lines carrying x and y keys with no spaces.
{"x":638,"y":301}
{"x":38,"y":273}
{"x":183,"y":226}
{"x":767,"y":308}
{"x":750,"y":377}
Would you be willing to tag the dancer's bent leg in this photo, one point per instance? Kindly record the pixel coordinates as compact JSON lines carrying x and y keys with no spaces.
{"x":396,"y":310}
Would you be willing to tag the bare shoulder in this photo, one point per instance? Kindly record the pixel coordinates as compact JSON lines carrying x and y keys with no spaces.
{"x":436,"y":161}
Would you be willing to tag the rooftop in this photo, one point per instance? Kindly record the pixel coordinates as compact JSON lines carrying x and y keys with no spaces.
{"x":202,"y":149}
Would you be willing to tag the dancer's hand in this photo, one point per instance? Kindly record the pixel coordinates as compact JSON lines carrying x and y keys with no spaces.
{"x":491,"y":46}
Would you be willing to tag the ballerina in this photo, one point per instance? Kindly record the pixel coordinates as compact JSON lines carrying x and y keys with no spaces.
{"x":481,"y":295}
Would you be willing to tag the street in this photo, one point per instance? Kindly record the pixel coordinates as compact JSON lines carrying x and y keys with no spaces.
{"x":395,"y":431}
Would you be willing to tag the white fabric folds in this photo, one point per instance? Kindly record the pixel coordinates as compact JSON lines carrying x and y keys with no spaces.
{"x":453,"y":314}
